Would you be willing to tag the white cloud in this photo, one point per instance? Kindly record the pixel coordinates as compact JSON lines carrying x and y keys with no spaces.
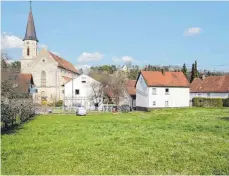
{"x":90,"y":57}
{"x":192,"y":31}
{"x":10,"y":41}
{"x":124,"y":59}
{"x":43,"y":46}
{"x":127,"y":59}
{"x":83,"y":66}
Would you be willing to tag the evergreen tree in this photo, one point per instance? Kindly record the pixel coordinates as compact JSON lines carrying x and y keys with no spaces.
{"x":192,"y":73}
{"x":196,"y":75}
{"x":184,"y":70}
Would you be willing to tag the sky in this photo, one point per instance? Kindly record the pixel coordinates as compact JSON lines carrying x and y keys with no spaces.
{"x":97,"y":33}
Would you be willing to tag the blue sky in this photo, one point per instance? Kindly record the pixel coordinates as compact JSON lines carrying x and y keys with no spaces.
{"x":95,"y":33}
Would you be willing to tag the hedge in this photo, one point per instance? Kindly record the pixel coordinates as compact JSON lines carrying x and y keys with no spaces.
{"x":226,"y":102}
{"x":207,"y":102}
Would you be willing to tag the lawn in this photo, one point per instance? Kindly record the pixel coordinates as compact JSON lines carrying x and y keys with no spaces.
{"x":172,"y":141}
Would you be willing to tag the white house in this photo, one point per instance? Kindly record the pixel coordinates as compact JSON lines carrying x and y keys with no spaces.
{"x":156,"y":89}
{"x":210,"y":87}
{"x":125,"y":68}
{"x":79,"y":92}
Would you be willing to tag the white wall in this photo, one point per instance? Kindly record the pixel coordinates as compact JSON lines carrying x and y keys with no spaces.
{"x":85,"y":91}
{"x":209,"y":95}
{"x":142,"y":98}
{"x":177,"y":97}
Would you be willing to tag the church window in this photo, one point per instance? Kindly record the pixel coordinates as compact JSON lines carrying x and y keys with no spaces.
{"x":28,"y":51}
{"x":43,"y":79}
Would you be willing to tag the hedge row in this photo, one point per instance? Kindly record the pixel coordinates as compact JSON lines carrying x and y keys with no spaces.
{"x":207,"y":102}
{"x":13,"y":108}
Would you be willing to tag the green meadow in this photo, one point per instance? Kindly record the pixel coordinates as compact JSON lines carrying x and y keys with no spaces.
{"x":166,"y":141}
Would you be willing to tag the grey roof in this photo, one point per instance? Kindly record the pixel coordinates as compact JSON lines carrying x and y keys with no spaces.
{"x":30,"y":29}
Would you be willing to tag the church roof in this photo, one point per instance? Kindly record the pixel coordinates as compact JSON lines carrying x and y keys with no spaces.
{"x":63,"y":63}
{"x":30,"y":29}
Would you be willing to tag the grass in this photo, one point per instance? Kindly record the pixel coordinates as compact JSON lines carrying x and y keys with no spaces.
{"x":172,"y":141}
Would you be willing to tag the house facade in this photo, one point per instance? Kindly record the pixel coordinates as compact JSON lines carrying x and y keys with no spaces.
{"x":49,"y":71}
{"x":156,"y":89}
{"x":210,"y":87}
{"x":79,"y":92}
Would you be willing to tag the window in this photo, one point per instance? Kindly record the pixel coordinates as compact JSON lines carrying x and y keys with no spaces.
{"x":167,"y":91}
{"x":83,"y":81}
{"x":43,"y":79}
{"x":77,"y":91}
{"x":154,"y":103}
{"x":199,"y":95}
{"x":166,"y":103}
{"x":208,"y":94}
{"x":28,"y":51}
{"x":154,"y":91}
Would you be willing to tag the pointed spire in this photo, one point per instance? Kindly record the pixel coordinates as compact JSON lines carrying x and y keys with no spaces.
{"x":30,"y":29}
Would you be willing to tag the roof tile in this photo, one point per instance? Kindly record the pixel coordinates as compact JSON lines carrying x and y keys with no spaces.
{"x":159,"y":79}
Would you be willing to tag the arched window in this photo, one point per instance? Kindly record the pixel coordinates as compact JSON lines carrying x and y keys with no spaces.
{"x":28,"y":51}
{"x":43,"y":79}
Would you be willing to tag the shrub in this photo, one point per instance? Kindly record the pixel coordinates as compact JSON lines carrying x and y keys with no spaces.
{"x":226,"y":102}
{"x":207,"y":102}
{"x":59,"y":103}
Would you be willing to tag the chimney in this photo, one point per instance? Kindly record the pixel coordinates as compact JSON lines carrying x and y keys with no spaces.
{"x":203,"y":77}
{"x":163,"y":72}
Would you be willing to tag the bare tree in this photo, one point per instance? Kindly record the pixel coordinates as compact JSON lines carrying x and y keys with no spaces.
{"x":117,"y":86}
{"x":97,"y":95}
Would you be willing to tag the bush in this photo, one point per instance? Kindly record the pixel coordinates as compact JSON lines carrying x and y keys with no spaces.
{"x":59,"y":103}
{"x":226,"y":102}
{"x":12,"y":108}
{"x":207,"y":102}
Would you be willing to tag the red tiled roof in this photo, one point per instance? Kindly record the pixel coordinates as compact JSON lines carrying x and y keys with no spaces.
{"x":63,"y":63}
{"x":130,"y":87}
{"x":211,"y":84}
{"x":171,"y":79}
{"x":23,"y":81}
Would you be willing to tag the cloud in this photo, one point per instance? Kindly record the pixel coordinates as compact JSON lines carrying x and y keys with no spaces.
{"x":43,"y":46}
{"x":90,"y":57}
{"x":127,"y":59}
{"x":9,"y":41}
{"x":124,"y":59}
{"x":192,"y":31}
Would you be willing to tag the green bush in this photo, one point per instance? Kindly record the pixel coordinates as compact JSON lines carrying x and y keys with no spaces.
{"x":59,"y":103}
{"x":207,"y":102}
{"x":226,"y":102}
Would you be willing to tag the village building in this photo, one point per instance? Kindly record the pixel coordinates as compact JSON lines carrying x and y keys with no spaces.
{"x":79,"y":92}
{"x":49,"y":71}
{"x":210,"y":87}
{"x":157,"y":89}
{"x":23,"y":85}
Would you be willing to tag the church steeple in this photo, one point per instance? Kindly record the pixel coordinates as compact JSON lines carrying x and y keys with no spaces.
{"x":30,"y":29}
{"x":30,"y":41}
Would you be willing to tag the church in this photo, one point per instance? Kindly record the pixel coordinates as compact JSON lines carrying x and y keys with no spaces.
{"x":49,"y":71}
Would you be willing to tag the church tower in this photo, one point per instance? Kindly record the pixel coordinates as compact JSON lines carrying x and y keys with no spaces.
{"x":30,"y":43}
